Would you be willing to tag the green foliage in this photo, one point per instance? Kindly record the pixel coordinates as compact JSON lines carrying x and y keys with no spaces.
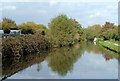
{"x":31,"y":28}
{"x":63,"y":29}
{"x":8,"y":24}
{"x":98,"y":39}
{"x":107,"y":26}
{"x":80,"y":34}
{"x":92,"y":31}
{"x":109,"y":31}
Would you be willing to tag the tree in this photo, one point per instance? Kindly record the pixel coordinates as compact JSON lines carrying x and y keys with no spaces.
{"x":109,"y":31}
{"x":80,"y":34}
{"x":116,"y":33}
{"x":107,"y":26}
{"x":0,"y":25}
{"x":92,"y":31}
{"x":62,"y":30}
{"x":31,"y":28}
{"x":96,"y":27}
{"x":8,"y":24}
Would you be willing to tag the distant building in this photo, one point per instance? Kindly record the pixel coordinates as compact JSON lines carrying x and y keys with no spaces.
{"x":12,"y":32}
{"x":1,"y":33}
{"x":15,"y":32}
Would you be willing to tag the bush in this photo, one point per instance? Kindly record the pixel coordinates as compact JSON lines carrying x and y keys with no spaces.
{"x":19,"y":46}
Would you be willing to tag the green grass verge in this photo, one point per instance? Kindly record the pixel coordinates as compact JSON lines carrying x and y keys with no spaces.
{"x":117,"y":42}
{"x":116,"y":55}
{"x":110,"y":46}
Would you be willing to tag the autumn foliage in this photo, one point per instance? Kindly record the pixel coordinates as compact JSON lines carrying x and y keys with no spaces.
{"x":27,"y":44}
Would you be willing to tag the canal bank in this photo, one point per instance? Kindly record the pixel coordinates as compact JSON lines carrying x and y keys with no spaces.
{"x":110,"y":45}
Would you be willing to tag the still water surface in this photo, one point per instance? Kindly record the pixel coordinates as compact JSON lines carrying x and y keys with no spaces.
{"x":82,"y":61}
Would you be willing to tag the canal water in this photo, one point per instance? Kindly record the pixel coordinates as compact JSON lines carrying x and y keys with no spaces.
{"x":82,"y":61}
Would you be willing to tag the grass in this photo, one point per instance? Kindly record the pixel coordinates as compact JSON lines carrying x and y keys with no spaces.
{"x":110,"y":45}
{"x":117,"y":42}
{"x":111,"y":52}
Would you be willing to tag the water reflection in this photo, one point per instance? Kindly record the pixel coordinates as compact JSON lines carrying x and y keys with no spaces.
{"x":95,"y":43}
{"x":65,"y":62}
{"x":13,"y":65}
{"x":90,"y":47}
{"x":38,"y":67}
{"x":63,"y":59}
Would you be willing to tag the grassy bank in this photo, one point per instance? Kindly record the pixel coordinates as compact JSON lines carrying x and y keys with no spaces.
{"x":21,"y":45}
{"x":110,"y":45}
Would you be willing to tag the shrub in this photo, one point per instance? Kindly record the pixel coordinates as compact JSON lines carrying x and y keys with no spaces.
{"x":21,"y":45}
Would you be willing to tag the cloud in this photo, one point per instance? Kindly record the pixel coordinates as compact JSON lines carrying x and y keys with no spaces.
{"x":98,"y":14}
{"x":53,"y":2}
{"x":106,"y":12}
{"x":112,"y":6}
{"x":9,"y":7}
{"x":43,"y":12}
{"x":101,"y":13}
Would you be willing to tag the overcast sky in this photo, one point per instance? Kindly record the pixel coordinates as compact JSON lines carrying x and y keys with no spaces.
{"x":85,"y":12}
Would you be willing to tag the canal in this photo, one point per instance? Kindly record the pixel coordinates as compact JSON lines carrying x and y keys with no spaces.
{"x":81,"y":61}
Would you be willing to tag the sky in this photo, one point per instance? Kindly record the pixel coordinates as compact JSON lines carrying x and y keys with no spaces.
{"x":86,"y":12}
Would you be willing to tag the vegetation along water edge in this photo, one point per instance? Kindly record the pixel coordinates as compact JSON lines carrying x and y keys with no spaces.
{"x":61,"y":31}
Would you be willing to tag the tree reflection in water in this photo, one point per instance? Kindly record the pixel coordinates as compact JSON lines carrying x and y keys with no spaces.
{"x":107,"y":54}
{"x":60,"y":60}
{"x":13,"y":65}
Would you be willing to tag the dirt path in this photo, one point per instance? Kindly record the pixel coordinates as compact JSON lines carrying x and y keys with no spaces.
{"x":112,"y":43}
